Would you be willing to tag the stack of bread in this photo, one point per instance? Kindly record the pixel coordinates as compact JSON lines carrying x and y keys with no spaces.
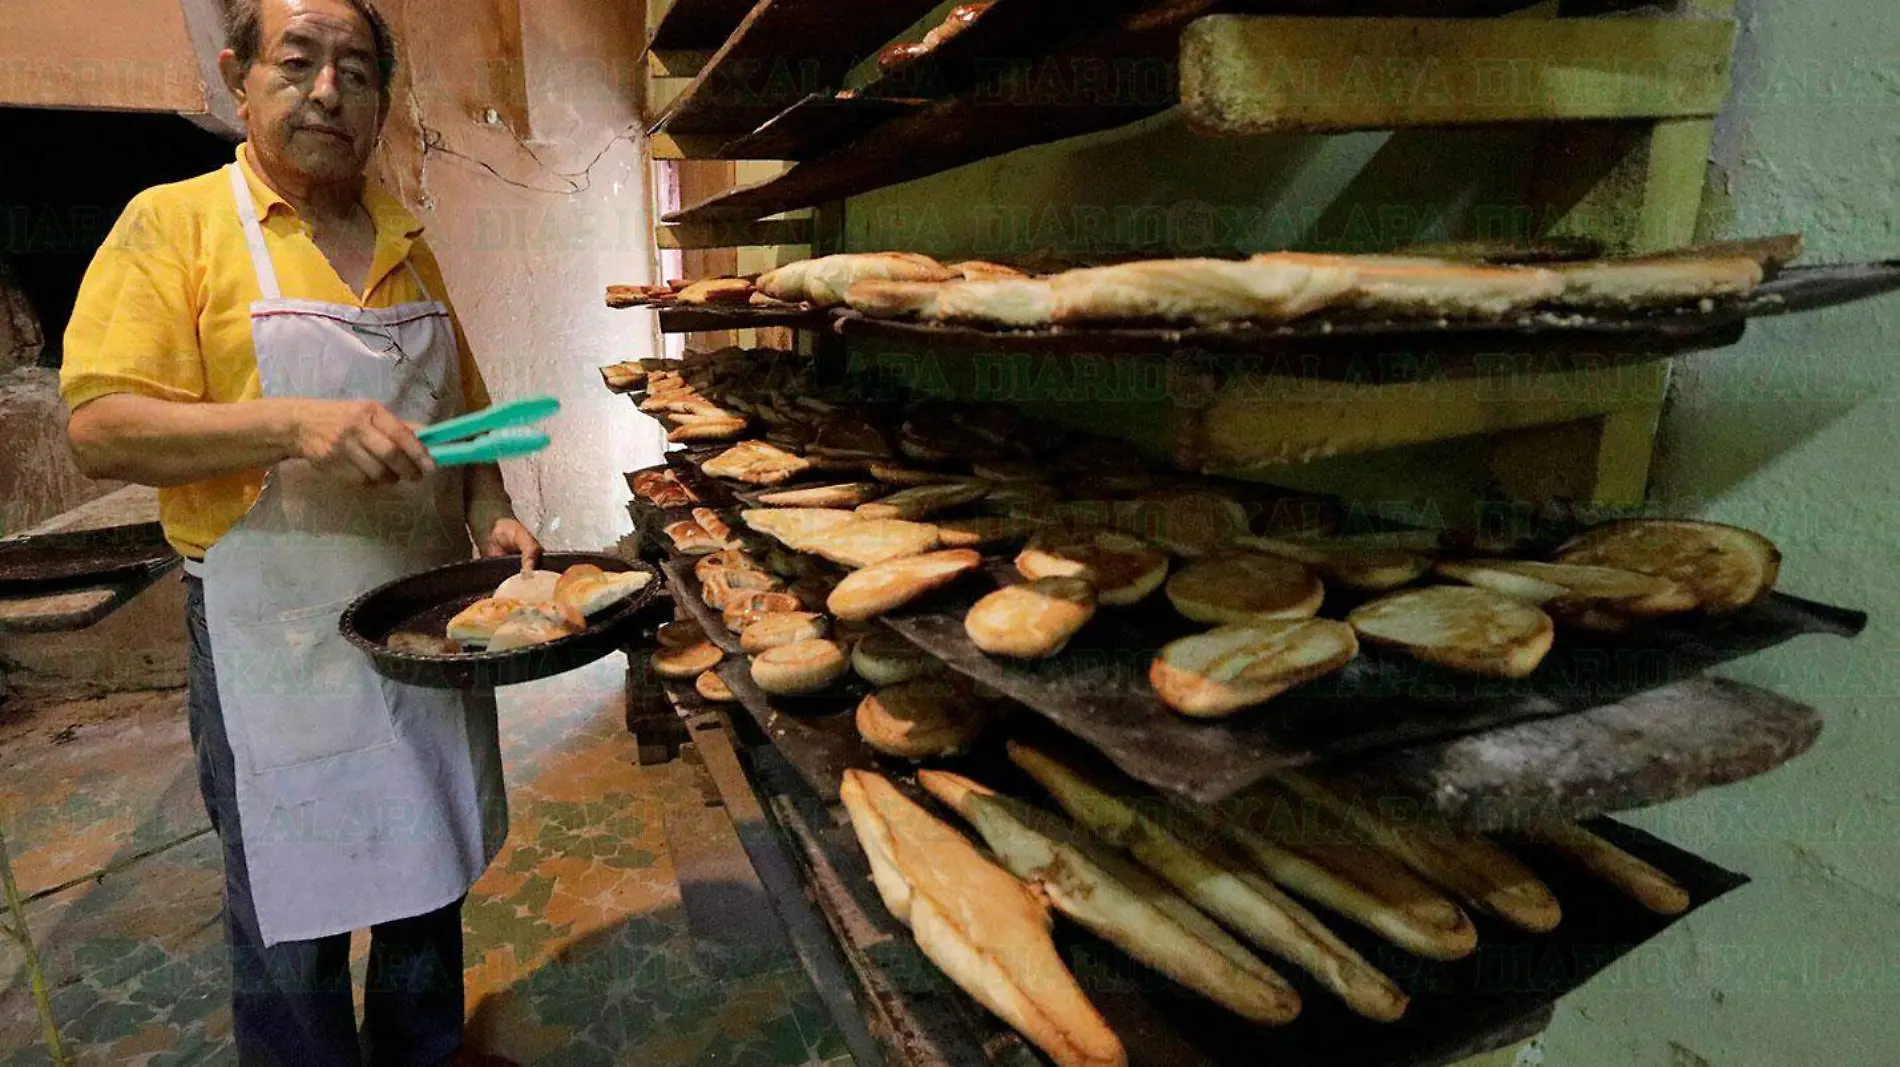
{"x":535,"y":607}
{"x":907,"y":499}
{"x":1221,"y":899}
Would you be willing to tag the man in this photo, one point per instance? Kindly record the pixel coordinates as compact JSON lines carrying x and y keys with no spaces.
{"x":259,"y":342}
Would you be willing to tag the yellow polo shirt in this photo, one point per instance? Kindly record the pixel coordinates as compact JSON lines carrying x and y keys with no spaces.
{"x":164,"y":312}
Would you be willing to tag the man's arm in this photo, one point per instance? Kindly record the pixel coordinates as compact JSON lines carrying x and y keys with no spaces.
{"x":141,"y":439}
{"x":491,"y":516}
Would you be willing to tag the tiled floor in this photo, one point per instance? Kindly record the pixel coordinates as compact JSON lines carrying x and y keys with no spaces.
{"x":579,"y":951}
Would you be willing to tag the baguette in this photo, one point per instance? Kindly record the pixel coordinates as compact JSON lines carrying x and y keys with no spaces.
{"x":1641,"y":881}
{"x":987,"y":931}
{"x":1358,"y":884}
{"x":1118,"y":901}
{"x":1215,"y":880}
{"x":1479,"y":873}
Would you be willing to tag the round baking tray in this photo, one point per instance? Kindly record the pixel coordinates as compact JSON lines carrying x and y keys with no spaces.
{"x":426,"y":602}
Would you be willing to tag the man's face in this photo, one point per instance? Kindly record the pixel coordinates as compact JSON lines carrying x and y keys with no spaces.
{"x":313,"y":100}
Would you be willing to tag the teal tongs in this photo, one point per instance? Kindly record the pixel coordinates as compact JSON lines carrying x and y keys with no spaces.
{"x":489,"y":435}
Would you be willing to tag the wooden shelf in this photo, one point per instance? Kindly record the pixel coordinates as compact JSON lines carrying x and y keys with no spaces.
{"x":1091,"y":82}
{"x":701,"y":26}
{"x":816,"y":125}
{"x":781,"y":52}
{"x":1248,"y":75}
{"x":736,"y":235}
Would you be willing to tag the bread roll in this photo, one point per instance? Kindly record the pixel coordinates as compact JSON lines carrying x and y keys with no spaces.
{"x":1233,"y":667}
{"x":781,"y":628}
{"x":1199,"y":291}
{"x":529,"y":587}
{"x":1725,"y":567}
{"x":1476,"y":631}
{"x":798,"y":668}
{"x":1244,"y":588}
{"x":535,"y":624}
{"x":688,"y":661}
{"x":921,"y":719}
{"x":596,"y":593}
{"x":1033,"y":620}
{"x":476,"y":624}
{"x":713,"y":688}
{"x":884,"y":658}
{"x":1123,"y":569}
{"x":882,"y":587}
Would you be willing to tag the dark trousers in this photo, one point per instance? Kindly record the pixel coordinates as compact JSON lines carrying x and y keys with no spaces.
{"x":290,"y":1002}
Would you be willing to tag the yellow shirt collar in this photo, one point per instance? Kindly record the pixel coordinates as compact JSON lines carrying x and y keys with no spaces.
{"x":396,"y":227}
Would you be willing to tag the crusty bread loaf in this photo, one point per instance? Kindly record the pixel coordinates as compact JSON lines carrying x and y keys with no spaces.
{"x":822,"y":282}
{"x":987,"y":931}
{"x":1118,"y":901}
{"x":1464,"y":628}
{"x":1203,"y":291}
{"x":1400,"y":286}
{"x":1245,"y":587}
{"x":882,"y":587}
{"x":1233,"y":667}
{"x":1034,"y":620}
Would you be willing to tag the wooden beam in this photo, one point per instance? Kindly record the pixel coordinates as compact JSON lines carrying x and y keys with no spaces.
{"x":736,"y":235}
{"x":115,"y":55}
{"x":1243,"y":75}
{"x":676,"y":64}
{"x":686,"y":146}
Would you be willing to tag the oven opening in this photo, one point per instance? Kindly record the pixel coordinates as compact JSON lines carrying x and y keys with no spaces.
{"x":67,"y":177}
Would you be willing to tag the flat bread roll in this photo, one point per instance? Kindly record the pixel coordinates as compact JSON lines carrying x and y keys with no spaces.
{"x":1226,"y":669}
{"x":1187,"y":520}
{"x":923,"y":719}
{"x":1246,"y":587}
{"x":1123,"y":568}
{"x":574,"y":574}
{"x":983,"y":531}
{"x":798,"y":668}
{"x":476,"y":624}
{"x":595,"y":594}
{"x":797,"y":528}
{"x":868,"y":542}
{"x":535,"y":624}
{"x":844,"y":495}
{"x":1726,"y":568}
{"x":529,"y":587}
{"x":884,"y":658}
{"x":1034,"y":620}
{"x":782,"y":628}
{"x":1463,"y":628}
{"x":687,"y":661}
{"x":882,"y":587}
{"x":713,"y":688}
{"x":923,"y":501}
{"x":410,"y":643}
{"x":1200,"y":291}
{"x":1566,"y":588}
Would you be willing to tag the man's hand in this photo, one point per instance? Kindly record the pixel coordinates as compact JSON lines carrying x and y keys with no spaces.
{"x":508,"y":537}
{"x":359,"y":442}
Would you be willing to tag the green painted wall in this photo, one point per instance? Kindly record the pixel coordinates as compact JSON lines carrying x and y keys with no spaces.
{"x":1793,"y":433}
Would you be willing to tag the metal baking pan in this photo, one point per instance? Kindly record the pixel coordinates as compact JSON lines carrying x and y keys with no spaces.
{"x":1502,"y":994}
{"x":1098,"y":690}
{"x":51,"y":563}
{"x":1713,"y":324}
{"x":426,"y":602}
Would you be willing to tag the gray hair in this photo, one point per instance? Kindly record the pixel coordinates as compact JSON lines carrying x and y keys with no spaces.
{"x":244,"y":36}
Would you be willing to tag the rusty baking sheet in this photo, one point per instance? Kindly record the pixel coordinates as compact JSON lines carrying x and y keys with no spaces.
{"x":817,"y":734}
{"x":1501,"y":995}
{"x":1655,"y":333}
{"x":1098,"y":689}
{"x":50,"y":563}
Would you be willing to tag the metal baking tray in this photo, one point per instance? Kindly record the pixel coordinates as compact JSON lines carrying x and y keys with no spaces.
{"x":1498,"y":996}
{"x":51,"y":563}
{"x":426,"y":602}
{"x":1098,"y":690}
{"x":1645,"y":334}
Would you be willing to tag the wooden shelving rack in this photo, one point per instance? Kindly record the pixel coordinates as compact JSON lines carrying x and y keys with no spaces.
{"x":1621,"y":109}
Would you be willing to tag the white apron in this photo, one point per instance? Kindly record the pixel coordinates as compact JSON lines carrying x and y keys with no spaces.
{"x":360,"y":800}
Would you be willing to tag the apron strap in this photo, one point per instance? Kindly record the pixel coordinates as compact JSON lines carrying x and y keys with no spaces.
{"x":254,"y":235}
